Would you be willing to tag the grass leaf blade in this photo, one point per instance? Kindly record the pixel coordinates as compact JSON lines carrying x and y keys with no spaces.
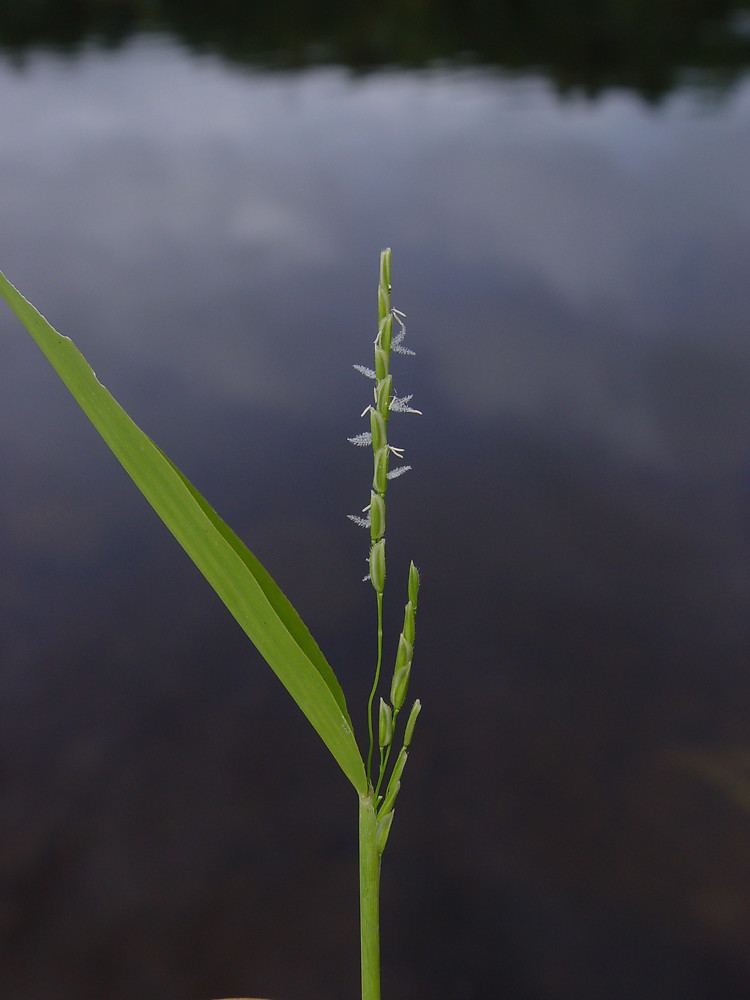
{"x":241,"y":582}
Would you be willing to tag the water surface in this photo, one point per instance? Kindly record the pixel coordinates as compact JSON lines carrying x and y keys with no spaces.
{"x":574,"y":273}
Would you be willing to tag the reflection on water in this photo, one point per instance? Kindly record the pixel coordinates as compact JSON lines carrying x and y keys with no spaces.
{"x":575,"y":277}
{"x":589,"y":44}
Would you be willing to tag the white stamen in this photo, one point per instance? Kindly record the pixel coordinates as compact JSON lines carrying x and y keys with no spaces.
{"x":398,"y":452}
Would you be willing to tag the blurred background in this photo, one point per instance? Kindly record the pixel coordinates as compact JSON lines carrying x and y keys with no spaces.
{"x":198,"y":194}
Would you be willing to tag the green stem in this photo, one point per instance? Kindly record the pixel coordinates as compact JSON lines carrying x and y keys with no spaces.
{"x":374,"y":686}
{"x":369,"y":898}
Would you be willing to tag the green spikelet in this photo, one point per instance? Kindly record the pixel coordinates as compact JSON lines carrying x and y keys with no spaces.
{"x":413,"y":585}
{"x":377,"y":516}
{"x":411,"y":723}
{"x":377,"y":566}
{"x":409,"y":625}
{"x":378,"y":431}
{"x":400,"y":687}
{"x":385,"y":725}
{"x":390,"y":796}
{"x":380,"y":471}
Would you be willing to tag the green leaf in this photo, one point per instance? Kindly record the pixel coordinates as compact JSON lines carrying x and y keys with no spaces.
{"x":245,"y":587}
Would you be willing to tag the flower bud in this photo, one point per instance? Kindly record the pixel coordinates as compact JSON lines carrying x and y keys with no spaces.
{"x":416,"y":708}
{"x":383,"y":395}
{"x":385,"y":267}
{"x":382,"y":830}
{"x":408,"y":629}
{"x":379,"y":434}
{"x":385,"y":725}
{"x":377,"y":566}
{"x":380,"y":473}
{"x":413,"y":581}
{"x":377,"y":516}
{"x":404,"y":653}
{"x":400,"y":686}
{"x":382,"y":363}
{"x":385,"y":332}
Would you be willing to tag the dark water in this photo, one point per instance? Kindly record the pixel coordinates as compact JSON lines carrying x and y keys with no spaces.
{"x":199,"y":199}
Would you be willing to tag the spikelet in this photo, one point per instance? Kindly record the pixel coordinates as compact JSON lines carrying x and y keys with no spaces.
{"x":400,"y":687}
{"x":381,"y":475}
{"x":413,"y":584}
{"x":409,"y":623}
{"x":377,"y":566}
{"x":385,"y":725}
{"x":377,"y":516}
{"x":416,"y":708}
{"x":390,"y":796}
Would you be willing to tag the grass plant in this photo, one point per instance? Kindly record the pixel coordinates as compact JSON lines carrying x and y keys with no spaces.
{"x":258,"y":604}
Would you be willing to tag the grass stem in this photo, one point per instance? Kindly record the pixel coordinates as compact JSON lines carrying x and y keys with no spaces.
{"x":369,"y":898}
{"x":373,"y":691}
